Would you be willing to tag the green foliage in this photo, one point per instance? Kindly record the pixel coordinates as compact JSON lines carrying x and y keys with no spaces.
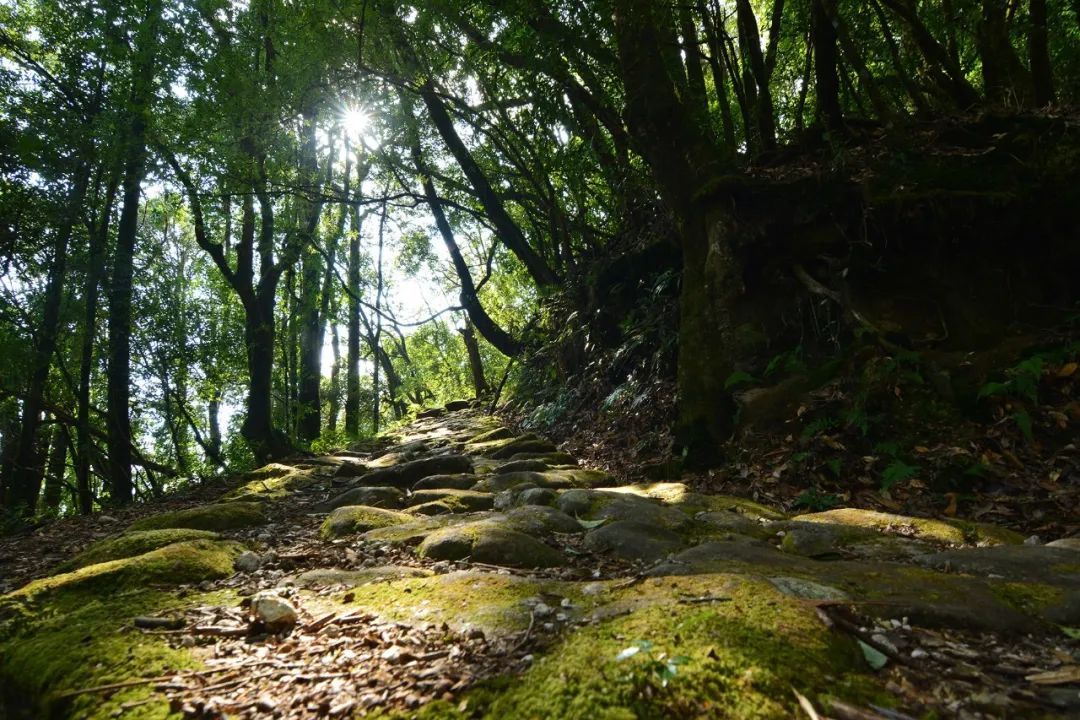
{"x":816,"y":501}
{"x":737,"y":378}
{"x":897,"y":471}
{"x":650,"y":668}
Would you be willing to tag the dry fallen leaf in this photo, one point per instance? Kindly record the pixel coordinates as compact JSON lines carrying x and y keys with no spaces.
{"x":1061,"y":676}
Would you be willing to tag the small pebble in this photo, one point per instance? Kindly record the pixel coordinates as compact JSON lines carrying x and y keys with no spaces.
{"x":187,"y":641}
{"x":919,"y":653}
{"x":541,"y":610}
{"x":566,"y":602}
{"x":1033,"y":540}
{"x":247,"y":562}
{"x":561,"y":617}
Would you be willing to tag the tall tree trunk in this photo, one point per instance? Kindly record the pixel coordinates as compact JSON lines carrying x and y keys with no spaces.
{"x":695,"y":76}
{"x":712,"y":338}
{"x":309,"y":370}
{"x":757,"y":87}
{"x":376,"y":343}
{"x":826,"y":78}
{"x":1005,"y":80}
{"x":491,"y":331}
{"x":213,"y":423}
{"x":352,"y":353}
{"x":716,"y":64}
{"x":1039,"y":55}
{"x":55,"y":470}
{"x":508,"y":231}
{"x":25,"y":484}
{"x":120,"y":294}
{"x":943,"y":67}
{"x":98,"y":239}
{"x":476,"y":363}
{"x":334,"y":409}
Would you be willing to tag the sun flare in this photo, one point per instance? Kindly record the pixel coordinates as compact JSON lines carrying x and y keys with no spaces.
{"x":355,"y":121}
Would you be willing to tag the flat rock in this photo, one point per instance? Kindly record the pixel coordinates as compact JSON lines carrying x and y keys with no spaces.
{"x":633,"y":541}
{"x":487,"y":542}
{"x":350,"y":519}
{"x":541,"y":521}
{"x":456,"y":481}
{"x":521,"y":466}
{"x":1072,"y":543}
{"x":405,"y":475}
{"x":222,"y":516}
{"x":1055,"y":566}
{"x":557,"y":479}
{"x":951,"y":532}
{"x":455,"y":500}
{"x":389,"y":498}
{"x":327,"y":577}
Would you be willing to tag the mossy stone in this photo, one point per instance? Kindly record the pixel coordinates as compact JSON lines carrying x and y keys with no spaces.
{"x":354,"y":578}
{"x":634,"y":541}
{"x":457,"y":500}
{"x":953,"y":532}
{"x":352,"y":519}
{"x":487,"y":542}
{"x":222,"y":516}
{"x":133,"y":543}
{"x":175,"y":564}
{"x":388,"y":498}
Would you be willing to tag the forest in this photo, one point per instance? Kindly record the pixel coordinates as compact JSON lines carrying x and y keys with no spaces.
{"x":808,"y":256}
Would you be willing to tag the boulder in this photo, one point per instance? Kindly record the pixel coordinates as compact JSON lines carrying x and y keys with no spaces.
{"x":457,"y":481}
{"x":222,"y":516}
{"x":457,"y":500}
{"x":633,"y":541}
{"x":405,"y":475}
{"x":350,"y":519}
{"x":379,"y":496}
{"x":487,"y":542}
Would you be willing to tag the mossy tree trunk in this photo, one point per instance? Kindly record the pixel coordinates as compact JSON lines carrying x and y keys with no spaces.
{"x":687,"y":165}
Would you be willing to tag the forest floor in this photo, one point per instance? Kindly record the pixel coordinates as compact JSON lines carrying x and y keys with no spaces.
{"x":459,"y":569}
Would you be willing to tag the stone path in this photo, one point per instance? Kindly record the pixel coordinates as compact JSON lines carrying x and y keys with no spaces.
{"x":595,"y":599}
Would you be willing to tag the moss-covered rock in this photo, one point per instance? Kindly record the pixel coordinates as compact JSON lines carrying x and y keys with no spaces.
{"x":951,"y":532}
{"x":455,"y":500}
{"x":456,"y":481}
{"x":634,"y":541}
{"x":488,"y":542}
{"x":604,"y":505}
{"x":133,"y":543}
{"x":272,"y":487}
{"x":352,"y":519}
{"x":222,"y":516}
{"x":388,"y":498}
{"x":499,"y":433}
{"x":557,"y":479}
{"x":405,"y":475}
{"x":326,"y":577}
{"x":175,"y":564}
{"x":742,"y":657}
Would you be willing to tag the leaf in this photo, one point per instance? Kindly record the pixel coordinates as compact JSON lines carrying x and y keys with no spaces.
{"x":993,"y":388}
{"x":806,"y":705}
{"x":1061,"y":676}
{"x":874,"y":658}
{"x":1068,"y":370}
{"x":1071,"y":632}
{"x":897,"y":471}
{"x":627,"y":653}
{"x":590,"y":524}
{"x":738,"y":377}
{"x":1023,"y":421}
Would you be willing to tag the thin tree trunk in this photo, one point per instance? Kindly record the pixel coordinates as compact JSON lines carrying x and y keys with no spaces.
{"x":25,"y":484}
{"x":508,"y":231}
{"x":55,"y":470}
{"x":1004,"y":78}
{"x":716,"y":64}
{"x":476,"y":363}
{"x":352,"y":354}
{"x":376,"y":344}
{"x":97,"y":243}
{"x":491,"y":331}
{"x":695,"y":77}
{"x":1039,"y":55}
{"x":121,"y":487}
{"x":335,"y":379}
{"x":758,"y":77}
{"x":826,"y":77}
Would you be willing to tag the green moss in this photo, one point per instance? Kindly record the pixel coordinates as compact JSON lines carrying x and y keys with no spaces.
{"x":952,"y":532}
{"x":273,"y":487}
{"x":457,"y":501}
{"x":223,"y":516}
{"x":1027,"y":597}
{"x":492,"y":602}
{"x":499,"y":433}
{"x":413,"y":532}
{"x":350,"y":519}
{"x":77,"y":639}
{"x":132,"y":543}
{"x":185,"y":562}
{"x":743,"y":657}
